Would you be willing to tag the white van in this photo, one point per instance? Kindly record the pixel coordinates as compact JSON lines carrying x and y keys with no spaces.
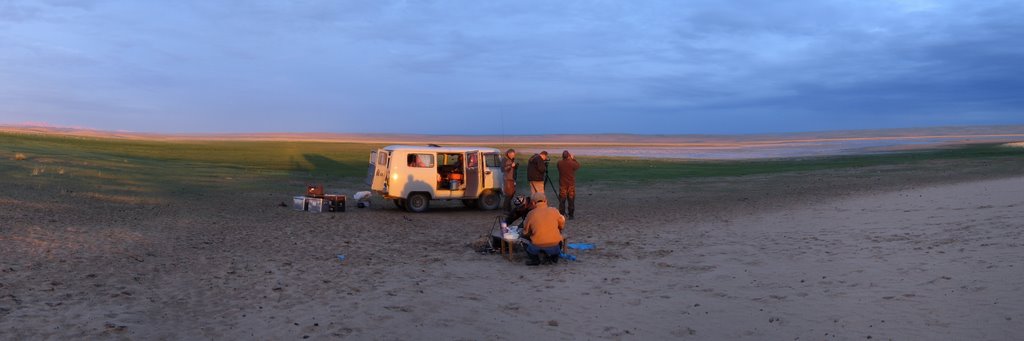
{"x":414,"y":175}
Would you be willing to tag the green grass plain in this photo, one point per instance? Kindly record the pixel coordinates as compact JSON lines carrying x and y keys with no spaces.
{"x":195,"y":166}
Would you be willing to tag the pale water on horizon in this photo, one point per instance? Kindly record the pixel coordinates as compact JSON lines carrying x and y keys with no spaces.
{"x":780,"y":150}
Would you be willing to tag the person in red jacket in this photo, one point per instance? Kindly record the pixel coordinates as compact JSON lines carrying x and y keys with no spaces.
{"x":543,"y":227}
{"x":567,"y":168}
{"x":509,"y":167}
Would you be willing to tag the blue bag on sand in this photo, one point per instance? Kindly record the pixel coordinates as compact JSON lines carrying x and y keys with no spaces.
{"x":581,"y":246}
{"x":341,"y":257}
{"x":567,"y":256}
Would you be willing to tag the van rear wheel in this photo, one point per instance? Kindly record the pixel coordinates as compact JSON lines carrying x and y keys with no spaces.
{"x":417,"y":202}
{"x":489,"y":200}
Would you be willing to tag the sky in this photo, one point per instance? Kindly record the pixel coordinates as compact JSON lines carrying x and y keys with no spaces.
{"x":511,"y":67}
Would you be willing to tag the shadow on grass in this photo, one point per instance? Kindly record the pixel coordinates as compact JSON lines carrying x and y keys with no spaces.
{"x":323,"y":165}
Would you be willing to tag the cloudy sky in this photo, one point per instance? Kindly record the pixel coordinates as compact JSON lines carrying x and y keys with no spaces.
{"x":514,"y":67}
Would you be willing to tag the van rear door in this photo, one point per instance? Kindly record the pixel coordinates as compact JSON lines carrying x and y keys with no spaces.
{"x":377,"y":174}
{"x":473,"y":173}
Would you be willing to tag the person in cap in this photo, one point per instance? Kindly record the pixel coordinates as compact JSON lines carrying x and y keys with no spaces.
{"x":567,"y":168}
{"x":543,"y":227}
{"x":536,"y":169}
{"x":521,"y":206}
{"x":509,"y":167}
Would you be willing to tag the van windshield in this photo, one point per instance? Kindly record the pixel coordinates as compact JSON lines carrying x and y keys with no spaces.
{"x":492,"y":160}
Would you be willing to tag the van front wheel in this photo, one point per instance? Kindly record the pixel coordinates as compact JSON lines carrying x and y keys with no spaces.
{"x":490,"y":200}
{"x":417,"y":202}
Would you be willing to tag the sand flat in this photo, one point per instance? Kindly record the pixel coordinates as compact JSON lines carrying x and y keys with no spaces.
{"x":934,"y":263}
{"x":913,"y":254}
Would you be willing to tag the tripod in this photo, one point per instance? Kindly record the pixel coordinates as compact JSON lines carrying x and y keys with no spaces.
{"x":547,"y":179}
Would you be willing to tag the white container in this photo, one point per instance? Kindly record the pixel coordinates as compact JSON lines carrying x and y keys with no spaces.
{"x":299,"y":203}
{"x":316,"y":205}
{"x":359,"y":196}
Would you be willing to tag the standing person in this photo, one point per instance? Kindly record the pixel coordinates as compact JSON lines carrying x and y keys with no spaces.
{"x":543,"y":227}
{"x":535,"y":171}
{"x":567,"y":168}
{"x":509,"y":167}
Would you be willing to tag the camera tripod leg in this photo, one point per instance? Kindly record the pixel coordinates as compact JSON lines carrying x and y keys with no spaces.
{"x":547,"y":179}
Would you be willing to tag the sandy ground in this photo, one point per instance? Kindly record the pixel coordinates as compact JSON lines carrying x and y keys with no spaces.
{"x":876,"y":253}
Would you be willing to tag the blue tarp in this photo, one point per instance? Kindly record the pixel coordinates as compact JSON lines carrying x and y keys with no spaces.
{"x":581,"y":246}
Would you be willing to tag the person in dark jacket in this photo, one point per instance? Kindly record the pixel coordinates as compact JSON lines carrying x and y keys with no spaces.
{"x":521,"y":206}
{"x":567,"y":168}
{"x":509,"y":167}
{"x":536,"y":170}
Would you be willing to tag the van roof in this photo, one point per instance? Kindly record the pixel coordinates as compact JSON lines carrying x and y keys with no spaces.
{"x":456,"y":149}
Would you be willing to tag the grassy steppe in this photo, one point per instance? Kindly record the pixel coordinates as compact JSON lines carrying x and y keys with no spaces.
{"x":194,"y":166}
{"x":181,"y":165}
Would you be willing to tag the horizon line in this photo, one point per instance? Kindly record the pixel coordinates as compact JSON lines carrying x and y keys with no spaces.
{"x":654,"y":140}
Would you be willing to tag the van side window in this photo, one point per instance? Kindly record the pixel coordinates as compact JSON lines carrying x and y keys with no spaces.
{"x":492,"y":160}
{"x":421,"y":160}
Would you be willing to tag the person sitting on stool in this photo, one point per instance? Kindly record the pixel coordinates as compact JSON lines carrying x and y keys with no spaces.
{"x":521,"y":206}
{"x":543,"y":227}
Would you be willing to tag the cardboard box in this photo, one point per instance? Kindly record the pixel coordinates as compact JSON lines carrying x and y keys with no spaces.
{"x":315,"y":191}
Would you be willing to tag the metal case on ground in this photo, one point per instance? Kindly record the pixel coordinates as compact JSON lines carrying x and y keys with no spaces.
{"x":299,"y":203}
{"x":334,"y":202}
{"x":316,"y":205}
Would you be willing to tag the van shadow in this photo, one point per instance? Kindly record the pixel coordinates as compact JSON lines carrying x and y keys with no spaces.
{"x":321,"y":164}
